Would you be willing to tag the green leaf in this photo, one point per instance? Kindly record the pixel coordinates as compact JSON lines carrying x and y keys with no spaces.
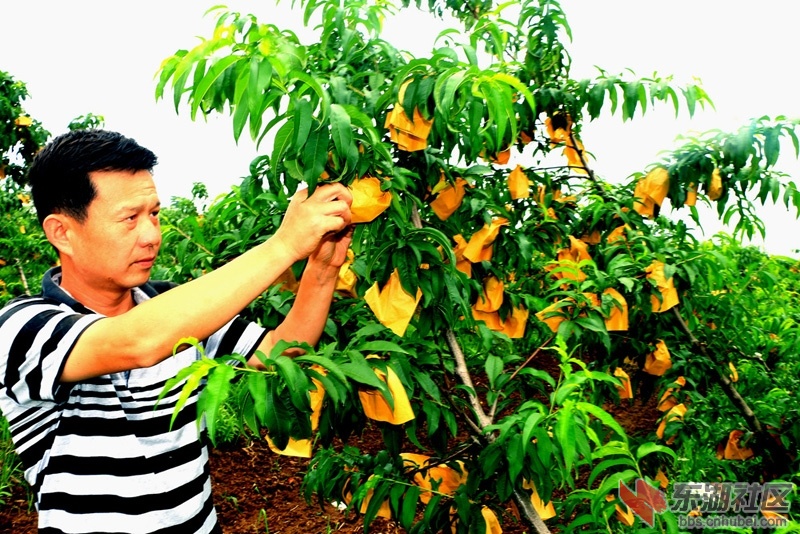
{"x":257,"y":387}
{"x":531,"y":424}
{"x":606,"y":464}
{"x":196,"y":372}
{"x":446,"y":86}
{"x":303,"y":121}
{"x":494,"y":367}
{"x":315,"y":154}
{"x":380,"y":492}
{"x":216,"y":70}
{"x":646,"y":449}
{"x":312,"y":83}
{"x":322,"y":361}
{"x":409,"y":509}
{"x":214,"y":395}
{"x":342,"y":135}
{"x":565,"y":433}
{"x":360,"y":371}
{"x":539,"y":375}
{"x":380,"y":346}
{"x":296,"y":381}
{"x":604,"y":417}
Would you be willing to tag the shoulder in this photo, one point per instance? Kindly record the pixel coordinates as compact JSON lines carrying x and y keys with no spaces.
{"x":36,"y":313}
{"x":156,"y":287}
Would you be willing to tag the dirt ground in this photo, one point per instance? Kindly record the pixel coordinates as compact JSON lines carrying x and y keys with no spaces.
{"x":257,"y":491}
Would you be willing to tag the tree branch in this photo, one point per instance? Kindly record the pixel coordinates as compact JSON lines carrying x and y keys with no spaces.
{"x":523,"y":502}
{"x":23,"y":277}
{"x":776,"y":453}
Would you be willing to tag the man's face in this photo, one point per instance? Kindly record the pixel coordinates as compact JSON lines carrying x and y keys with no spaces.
{"x":115,"y":246}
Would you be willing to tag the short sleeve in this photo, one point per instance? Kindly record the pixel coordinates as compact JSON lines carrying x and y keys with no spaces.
{"x":36,"y":337}
{"x":238,"y":336}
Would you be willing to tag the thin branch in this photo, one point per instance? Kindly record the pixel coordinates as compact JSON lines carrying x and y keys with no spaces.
{"x":523,"y":502}
{"x":466,"y":379}
{"x":727,"y":386}
{"x":23,"y":277}
{"x":187,"y":236}
{"x":517,"y":370}
{"x":777,"y":456}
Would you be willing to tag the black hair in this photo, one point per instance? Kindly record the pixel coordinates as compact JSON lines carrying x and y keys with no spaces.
{"x":59,"y":174}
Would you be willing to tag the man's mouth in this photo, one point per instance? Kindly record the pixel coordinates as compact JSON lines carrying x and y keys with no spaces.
{"x":146,"y":262}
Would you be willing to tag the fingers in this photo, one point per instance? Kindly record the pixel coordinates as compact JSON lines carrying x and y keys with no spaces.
{"x":330,"y":192}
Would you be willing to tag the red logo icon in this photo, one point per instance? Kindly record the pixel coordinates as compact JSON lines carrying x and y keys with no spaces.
{"x":645,"y":502}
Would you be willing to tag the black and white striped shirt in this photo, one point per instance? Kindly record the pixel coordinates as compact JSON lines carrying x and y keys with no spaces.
{"x":98,"y":455}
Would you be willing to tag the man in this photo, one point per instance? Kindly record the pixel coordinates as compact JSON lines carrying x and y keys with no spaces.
{"x":82,"y":364}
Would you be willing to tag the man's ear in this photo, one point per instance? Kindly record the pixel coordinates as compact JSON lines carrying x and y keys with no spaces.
{"x":57,"y":228}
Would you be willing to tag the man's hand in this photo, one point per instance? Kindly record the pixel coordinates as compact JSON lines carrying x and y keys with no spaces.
{"x":332,"y":251}
{"x":317,"y":224}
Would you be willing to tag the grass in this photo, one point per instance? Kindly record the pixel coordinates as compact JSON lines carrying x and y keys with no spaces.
{"x":11,"y":473}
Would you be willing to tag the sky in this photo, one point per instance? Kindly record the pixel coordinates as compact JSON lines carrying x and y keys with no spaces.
{"x":101,"y":56}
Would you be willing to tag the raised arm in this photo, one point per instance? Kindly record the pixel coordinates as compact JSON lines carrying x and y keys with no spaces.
{"x":146,"y":334}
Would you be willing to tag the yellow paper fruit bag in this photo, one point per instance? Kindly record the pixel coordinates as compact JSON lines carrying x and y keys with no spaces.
{"x":492,"y":524}
{"x":618,"y":317}
{"x":519,"y":184}
{"x":676,"y":413}
{"x":392,"y":305}
{"x":375,"y":405}
{"x":715,"y":187}
{"x":449,"y":198}
{"x":368,"y":199}
{"x":302,"y":447}
{"x":492,"y":297}
{"x":462,"y":263}
{"x":650,"y":191}
{"x":346,"y":282}
{"x":447,"y":478}
{"x":479,"y":247}
{"x":545,"y":511}
{"x":625,"y":390}
{"x":658,"y":362}
{"x":669,"y":295}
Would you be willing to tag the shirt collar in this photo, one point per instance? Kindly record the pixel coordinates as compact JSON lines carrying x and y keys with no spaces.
{"x":51,"y":289}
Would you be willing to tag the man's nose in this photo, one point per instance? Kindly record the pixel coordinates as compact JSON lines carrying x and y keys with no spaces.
{"x":151,"y":233}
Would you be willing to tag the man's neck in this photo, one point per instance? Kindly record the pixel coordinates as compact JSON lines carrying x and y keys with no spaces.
{"x":104,"y":301}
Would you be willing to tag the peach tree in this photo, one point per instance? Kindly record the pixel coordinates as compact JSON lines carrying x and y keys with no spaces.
{"x":502,"y":300}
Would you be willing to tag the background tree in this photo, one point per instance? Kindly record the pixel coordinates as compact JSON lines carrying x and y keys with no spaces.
{"x":481,"y":263}
{"x":532,"y":290}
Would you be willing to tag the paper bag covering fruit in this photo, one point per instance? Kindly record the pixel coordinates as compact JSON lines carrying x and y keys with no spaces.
{"x":658,"y":362}
{"x":392,"y":305}
{"x":448,"y":197}
{"x":410,"y":135}
{"x":676,"y":413}
{"x":462,"y":264}
{"x":625,"y":389}
{"x":734,"y":449}
{"x":669,"y":295}
{"x":519,"y":184}
{"x":650,"y":191}
{"x":377,"y":408}
{"x":668,"y":400}
{"x":346,"y":282}
{"x":368,"y":199}
{"x":479,"y":247}
{"x":429,"y":473}
{"x":545,"y":511}
{"x":559,"y":129}
{"x":302,"y":447}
